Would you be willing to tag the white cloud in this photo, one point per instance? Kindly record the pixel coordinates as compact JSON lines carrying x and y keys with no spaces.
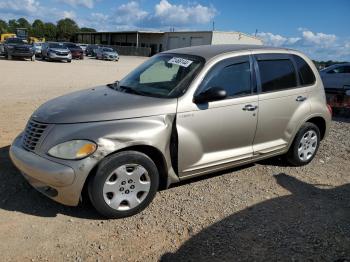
{"x":69,"y":14}
{"x":129,"y":13}
{"x":319,"y":38}
{"x":25,"y":7}
{"x":317,"y":45}
{"x":175,"y":15}
{"x":75,"y":3}
{"x":132,"y":16}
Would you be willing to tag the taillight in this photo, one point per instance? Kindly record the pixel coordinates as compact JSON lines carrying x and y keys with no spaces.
{"x":330,"y":109}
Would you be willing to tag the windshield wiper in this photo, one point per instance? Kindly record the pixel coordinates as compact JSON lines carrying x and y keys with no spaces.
{"x":125,"y":89}
{"x":113,"y":85}
{"x":130,"y":90}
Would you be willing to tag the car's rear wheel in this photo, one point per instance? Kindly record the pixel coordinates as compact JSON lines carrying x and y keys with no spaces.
{"x":305,"y":145}
{"x":124,"y":184}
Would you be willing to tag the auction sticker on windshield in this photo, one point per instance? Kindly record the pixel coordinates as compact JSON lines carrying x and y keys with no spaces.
{"x":180,"y":61}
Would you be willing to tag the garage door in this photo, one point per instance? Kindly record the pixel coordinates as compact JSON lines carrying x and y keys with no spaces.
{"x":173,"y":42}
{"x":196,"y":41}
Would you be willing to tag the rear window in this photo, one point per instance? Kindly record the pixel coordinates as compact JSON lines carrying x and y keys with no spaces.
{"x":277,"y":75}
{"x":306,"y":75}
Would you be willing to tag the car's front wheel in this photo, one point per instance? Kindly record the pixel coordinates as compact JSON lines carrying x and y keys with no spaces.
{"x":124,"y":184}
{"x":305,"y":145}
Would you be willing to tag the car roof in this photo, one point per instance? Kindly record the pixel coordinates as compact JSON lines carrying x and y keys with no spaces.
{"x":210,"y":51}
{"x":335,"y":66}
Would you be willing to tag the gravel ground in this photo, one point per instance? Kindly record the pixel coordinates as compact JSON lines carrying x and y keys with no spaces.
{"x":264,"y":212}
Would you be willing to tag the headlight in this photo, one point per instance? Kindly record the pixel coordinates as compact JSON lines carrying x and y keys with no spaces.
{"x":75,"y":149}
{"x":10,"y":47}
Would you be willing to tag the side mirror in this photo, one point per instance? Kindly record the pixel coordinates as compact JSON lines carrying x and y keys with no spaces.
{"x":211,"y":94}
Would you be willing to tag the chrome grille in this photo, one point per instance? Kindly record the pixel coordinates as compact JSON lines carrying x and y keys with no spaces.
{"x":32,"y":134}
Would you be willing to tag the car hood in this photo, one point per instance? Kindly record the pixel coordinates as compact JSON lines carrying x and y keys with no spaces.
{"x":59,"y":49}
{"x":101,"y":104}
{"x":75,"y":49}
{"x":20,"y":45}
{"x":109,"y":53}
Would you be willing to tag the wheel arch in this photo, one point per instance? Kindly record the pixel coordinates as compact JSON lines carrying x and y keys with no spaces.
{"x":320,"y":122}
{"x":156,"y":156}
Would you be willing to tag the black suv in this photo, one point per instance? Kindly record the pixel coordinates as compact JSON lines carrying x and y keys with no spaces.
{"x":16,"y":47}
{"x":90,"y":50}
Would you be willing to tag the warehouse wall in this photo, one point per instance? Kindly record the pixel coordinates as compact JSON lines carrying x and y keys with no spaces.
{"x":234,"y":38}
{"x":174,"y":40}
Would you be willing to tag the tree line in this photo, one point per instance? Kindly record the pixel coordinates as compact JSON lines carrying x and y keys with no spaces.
{"x":64,"y":29}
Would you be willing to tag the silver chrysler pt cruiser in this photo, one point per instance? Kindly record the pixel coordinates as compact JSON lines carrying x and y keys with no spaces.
{"x":183,"y":113}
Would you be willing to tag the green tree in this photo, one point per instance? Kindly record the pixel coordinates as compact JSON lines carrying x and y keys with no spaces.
{"x":23,"y":23}
{"x":38,"y":28}
{"x":87,"y":30}
{"x":13,"y":25}
{"x":3,"y":27}
{"x":66,"y":28}
{"x":50,"y":31}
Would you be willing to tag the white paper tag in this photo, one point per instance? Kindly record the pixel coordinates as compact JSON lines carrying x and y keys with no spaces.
{"x":180,"y":61}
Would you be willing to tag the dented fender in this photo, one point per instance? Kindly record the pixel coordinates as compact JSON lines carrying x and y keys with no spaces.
{"x":111,"y":137}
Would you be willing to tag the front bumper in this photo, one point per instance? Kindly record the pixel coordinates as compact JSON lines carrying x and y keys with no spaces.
{"x":54,"y":56}
{"x":54,"y":180}
{"x":21,"y":53}
{"x":77,"y":55}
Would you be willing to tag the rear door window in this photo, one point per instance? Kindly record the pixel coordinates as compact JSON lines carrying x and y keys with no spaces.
{"x":306,"y":74}
{"x":276,"y":74}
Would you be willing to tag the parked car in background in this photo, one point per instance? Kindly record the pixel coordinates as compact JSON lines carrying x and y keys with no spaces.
{"x":54,"y":51}
{"x":77,"y":52}
{"x":37,"y":46}
{"x":336,"y":81}
{"x":90,"y":50}
{"x":16,"y":47}
{"x":106,"y":53}
{"x":181,"y":114}
{"x":83,"y":47}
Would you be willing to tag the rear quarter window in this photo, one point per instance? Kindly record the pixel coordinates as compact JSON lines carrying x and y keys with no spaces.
{"x":306,"y":74}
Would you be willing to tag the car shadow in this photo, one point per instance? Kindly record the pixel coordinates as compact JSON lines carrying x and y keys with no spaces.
{"x":17,"y":195}
{"x":310,"y":224}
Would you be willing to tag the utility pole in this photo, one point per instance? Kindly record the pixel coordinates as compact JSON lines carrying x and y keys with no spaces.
{"x":256,"y":32}
{"x":213,"y":25}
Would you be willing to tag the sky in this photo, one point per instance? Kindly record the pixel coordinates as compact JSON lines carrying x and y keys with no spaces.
{"x":318,"y":28}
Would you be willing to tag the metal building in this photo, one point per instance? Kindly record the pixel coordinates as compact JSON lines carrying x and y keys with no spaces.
{"x":155,"y":42}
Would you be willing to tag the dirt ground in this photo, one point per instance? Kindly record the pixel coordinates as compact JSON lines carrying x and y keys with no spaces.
{"x":262,"y":212}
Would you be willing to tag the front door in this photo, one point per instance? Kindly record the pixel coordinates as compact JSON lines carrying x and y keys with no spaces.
{"x":214,"y":135}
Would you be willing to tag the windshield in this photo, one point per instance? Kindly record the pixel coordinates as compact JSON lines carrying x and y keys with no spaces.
{"x":70,"y":45}
{"x":15,"y":41}
{"x":108,"y":50}
{"x":164,"y":75}
{"x":56,"y":45}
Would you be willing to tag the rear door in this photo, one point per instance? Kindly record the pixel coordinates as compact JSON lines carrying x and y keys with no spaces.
{"x":283,"y":102}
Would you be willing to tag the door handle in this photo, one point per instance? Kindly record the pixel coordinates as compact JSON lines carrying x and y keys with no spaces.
{"x":300,"y":98}
{"x":250,"y":108}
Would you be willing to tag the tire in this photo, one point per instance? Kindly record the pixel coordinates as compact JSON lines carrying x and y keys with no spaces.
{"x":116,"y":189}
{"x":69,"y":61}
{"x":305,"y":145}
